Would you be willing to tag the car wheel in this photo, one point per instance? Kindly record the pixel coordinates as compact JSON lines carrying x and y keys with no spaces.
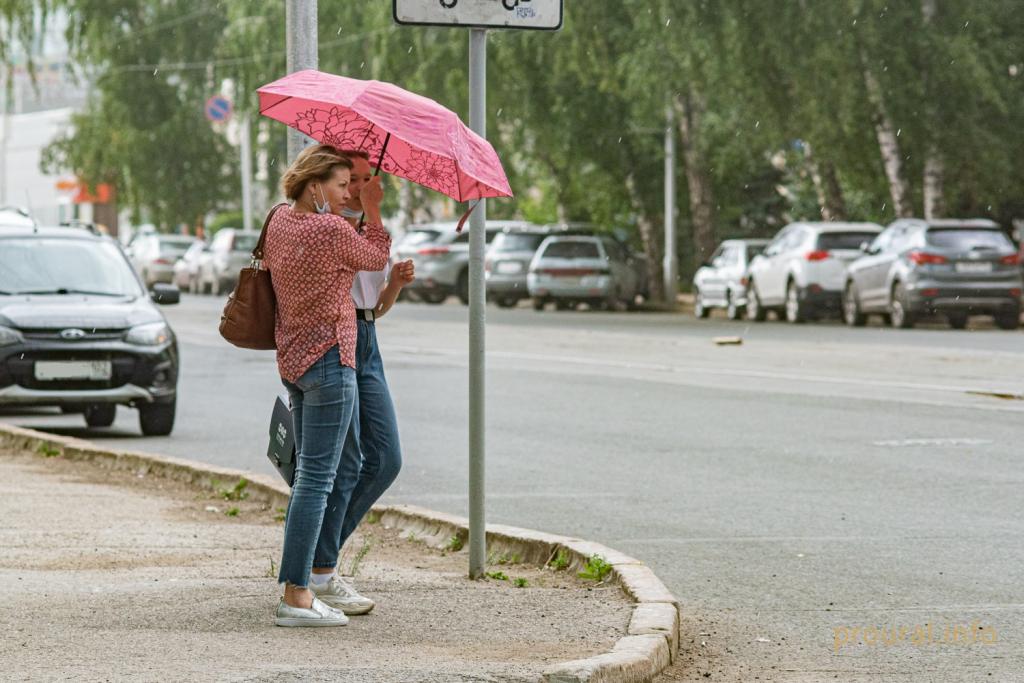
{"x":157,"y":419}
{"x":434,"y":298}
{"x":852,"y":314}
{"x":506,"y":301}
{"x":755,"y":311}
{"x":563,"y":305}
{"x":1008,"y":321}
{"x":957,"y":321}
{"x":900,"y":314}
{"x":100,"y":414}
{"x":462,"y":287}
{"x":538,"y":303}
{"x":796,"y":310}
{"x":699,"y":309}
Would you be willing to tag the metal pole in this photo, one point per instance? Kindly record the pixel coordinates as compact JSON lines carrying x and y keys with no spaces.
{"x":671,"y":266}
{"x":301,"y":43}
{"x":245,"y":132}
{"x":5,"y":123}
{"x":477,"y":317}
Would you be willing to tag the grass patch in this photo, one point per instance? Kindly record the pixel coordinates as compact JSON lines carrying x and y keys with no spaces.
{"x":521,"y":582}
{"x":371,"y":517}
{"x":504,"y":558}
{"x":353,"y":569}
{"x":455,"y":544}
{"x":560,"y":561}
{"x":497,"y":576}
{"x":596,"y":569}
{"x":236,"y":492}
{"x":279,"y":514}
{"x":47,"y":451}
{"x":232,"y":512}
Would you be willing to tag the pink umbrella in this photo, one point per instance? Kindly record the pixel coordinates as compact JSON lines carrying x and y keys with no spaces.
{"x":409,"y":135}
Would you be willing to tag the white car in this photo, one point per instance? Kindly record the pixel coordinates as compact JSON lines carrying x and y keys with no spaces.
{"x":802,"y":272}
{"x":721,"y":283}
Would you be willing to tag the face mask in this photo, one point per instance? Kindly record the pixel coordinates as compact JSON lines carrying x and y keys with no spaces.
{"x":322,"y":208}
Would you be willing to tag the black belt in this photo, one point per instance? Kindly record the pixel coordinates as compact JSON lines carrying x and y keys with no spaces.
{"x":366,"y":314}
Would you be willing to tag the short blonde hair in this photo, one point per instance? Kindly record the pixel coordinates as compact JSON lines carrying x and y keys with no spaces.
{"x":313,"y":163}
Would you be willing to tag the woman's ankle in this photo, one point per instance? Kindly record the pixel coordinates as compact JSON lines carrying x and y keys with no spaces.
{"x":298,"y":597}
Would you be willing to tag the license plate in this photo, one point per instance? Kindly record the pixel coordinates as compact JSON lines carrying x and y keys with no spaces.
{"x":91,"y":370}
{"x":970,"y":267}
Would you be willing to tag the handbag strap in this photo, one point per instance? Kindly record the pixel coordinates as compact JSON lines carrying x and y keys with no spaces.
{"x":257,"y":252}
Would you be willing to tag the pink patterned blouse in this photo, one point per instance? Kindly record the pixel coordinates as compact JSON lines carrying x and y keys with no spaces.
{"x":312,"y":259}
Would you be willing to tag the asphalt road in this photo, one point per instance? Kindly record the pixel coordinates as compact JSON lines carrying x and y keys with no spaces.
{"x":811,"y":481}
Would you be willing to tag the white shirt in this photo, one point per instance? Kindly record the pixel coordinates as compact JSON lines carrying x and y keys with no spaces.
{"x":367,"y":286}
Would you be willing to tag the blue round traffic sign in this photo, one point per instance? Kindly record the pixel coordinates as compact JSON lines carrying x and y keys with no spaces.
{"x":218,"y":109}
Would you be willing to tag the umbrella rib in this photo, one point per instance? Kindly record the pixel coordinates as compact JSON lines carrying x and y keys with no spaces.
{"x":263,"y":112}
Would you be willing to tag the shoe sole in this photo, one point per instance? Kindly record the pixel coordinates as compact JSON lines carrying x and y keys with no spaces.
{"x":296,"y":622}
{"x":349,"y":611}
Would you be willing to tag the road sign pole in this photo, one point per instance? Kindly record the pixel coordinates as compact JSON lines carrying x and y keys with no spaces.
{"x":477,"y":317}
{"x":245,"y":135}
{"x":301,"y":45}
{"x":671,"y":266}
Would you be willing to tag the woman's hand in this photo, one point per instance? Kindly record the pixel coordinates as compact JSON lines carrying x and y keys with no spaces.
{"x":371,"y":194}
{"x":403,"y":272}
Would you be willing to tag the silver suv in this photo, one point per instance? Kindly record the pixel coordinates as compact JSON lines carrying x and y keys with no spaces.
{"x":596,"y":270}
{"x":441,"y":256}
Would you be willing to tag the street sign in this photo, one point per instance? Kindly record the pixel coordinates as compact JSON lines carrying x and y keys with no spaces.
{"x":218,"y":109}
{"x":544,"y":15}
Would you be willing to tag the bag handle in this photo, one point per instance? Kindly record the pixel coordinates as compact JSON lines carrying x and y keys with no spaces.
{"x":257,"y":252}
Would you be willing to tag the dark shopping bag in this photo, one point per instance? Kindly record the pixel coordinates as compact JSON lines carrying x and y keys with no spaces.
{"x":281,"y":450}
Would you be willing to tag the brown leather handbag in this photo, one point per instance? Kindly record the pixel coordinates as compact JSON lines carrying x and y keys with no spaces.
{"x":248,"y":317}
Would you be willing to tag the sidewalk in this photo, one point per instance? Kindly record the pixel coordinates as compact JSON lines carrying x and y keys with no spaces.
{"x":110,"y":575}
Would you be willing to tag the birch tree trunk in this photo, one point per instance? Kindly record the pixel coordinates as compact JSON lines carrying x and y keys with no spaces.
{"x":649,"y":238}
{"x":831,"y":203}
{"x":888,"y":146}
{"x":689,"y":108}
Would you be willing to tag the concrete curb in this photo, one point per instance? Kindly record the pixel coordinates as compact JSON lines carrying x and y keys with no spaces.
{"x":652,"y":639}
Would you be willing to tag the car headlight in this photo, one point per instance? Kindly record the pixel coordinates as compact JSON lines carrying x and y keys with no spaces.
{"x":8,"y":336}
{"x":150,"y":334}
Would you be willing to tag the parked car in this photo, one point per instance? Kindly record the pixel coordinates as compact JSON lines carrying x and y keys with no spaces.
{"x":154,"y":255}
{"x":952,"y":267}
{"x":78,"y":329}
{"x":508,"y":261}
{"x":722,"y":281}
{"x":802,"y":271}
{"x":186,"y":268}
{"x":568,"y":270}
{"x":441,"y":256}
{"x":15,"y":217}
{"x":230,"y":251}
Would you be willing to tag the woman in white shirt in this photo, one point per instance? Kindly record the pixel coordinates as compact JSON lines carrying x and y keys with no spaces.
{"x":373,"y":436}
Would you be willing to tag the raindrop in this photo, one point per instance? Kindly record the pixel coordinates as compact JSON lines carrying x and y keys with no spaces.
{"x":898,"y":131}
{"x":854,"y":22}
{"x":668,"y":22}
{"x":620,"y":140}
{"x":339,"y":30}
{"x":410,"y":50}
{"x":362,"y":64}
{"x":155,"y":70}
{"x":883,"y":206}
{"x":1014,"y":70}
{"x":499,"y":112}
{"x":966,"y":24}
{"x":757,"y":124}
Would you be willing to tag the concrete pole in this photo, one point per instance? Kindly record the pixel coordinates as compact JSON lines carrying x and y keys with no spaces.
{"x":301,"y":44}
{"x":670,"y":263}
{"x":245,"y":135}
{"x":477,"y":317}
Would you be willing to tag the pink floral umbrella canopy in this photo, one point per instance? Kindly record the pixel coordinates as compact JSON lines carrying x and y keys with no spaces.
{"x":421,"y":140}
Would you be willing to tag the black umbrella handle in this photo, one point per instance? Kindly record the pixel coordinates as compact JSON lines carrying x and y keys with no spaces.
{"x":376,"y":172}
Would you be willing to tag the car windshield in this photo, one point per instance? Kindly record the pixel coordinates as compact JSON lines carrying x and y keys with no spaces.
{"x":415,"y":237}
{"x":510,"y":241}
{"x":968,"y":238}
{"x":572,"y":249}
{"x":844,"y":240}
{"x":755,"y":249}
{"x":245,"y":242}
{"x":42,"y":265}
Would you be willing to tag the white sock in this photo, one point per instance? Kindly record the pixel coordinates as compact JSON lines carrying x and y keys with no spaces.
{"x":320,"y":580}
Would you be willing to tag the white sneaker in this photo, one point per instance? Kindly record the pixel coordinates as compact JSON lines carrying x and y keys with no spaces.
{"x":339,"y":593}
{"x":318,"y":614}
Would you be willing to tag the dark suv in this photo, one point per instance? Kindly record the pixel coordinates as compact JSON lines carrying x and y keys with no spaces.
{"x":79,"y":331}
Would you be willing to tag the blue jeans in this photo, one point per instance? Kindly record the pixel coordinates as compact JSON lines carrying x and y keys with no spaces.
{"x":323,"y":402}
{"x":373,"y":439}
